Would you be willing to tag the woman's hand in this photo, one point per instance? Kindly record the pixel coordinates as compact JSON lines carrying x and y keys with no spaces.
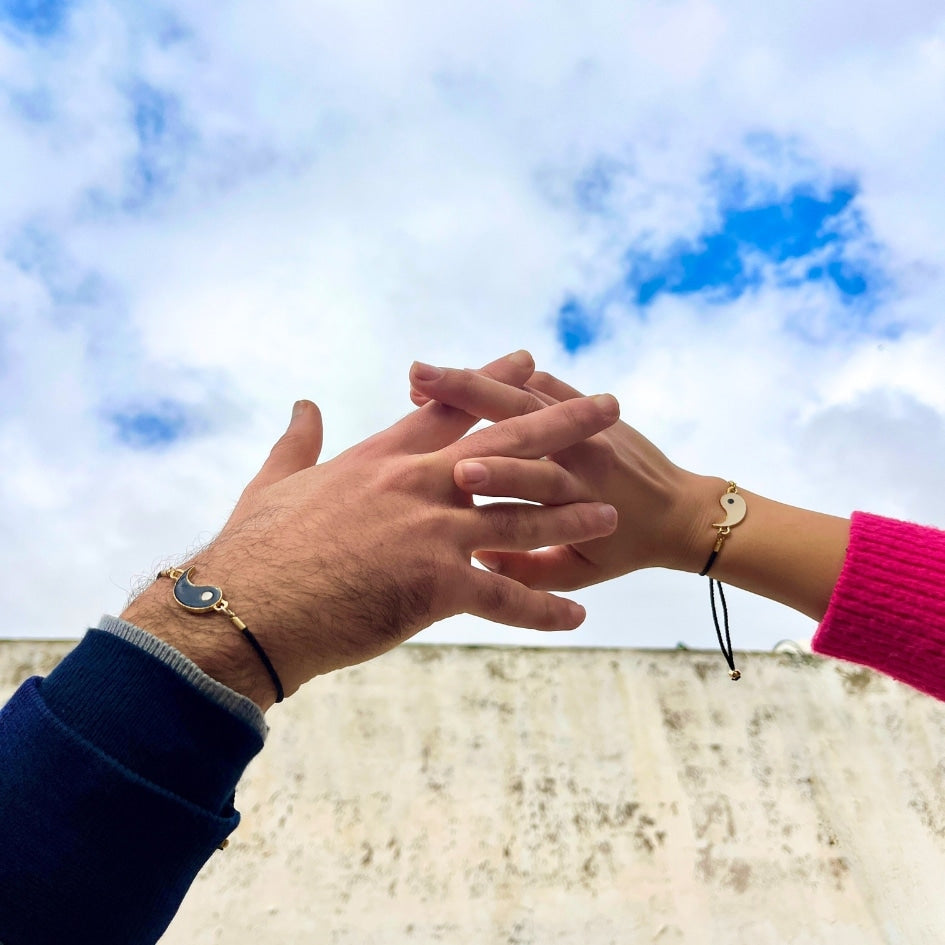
{"x":664,"y":512}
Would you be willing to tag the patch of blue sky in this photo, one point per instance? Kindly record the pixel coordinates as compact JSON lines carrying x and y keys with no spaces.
{"x":851,"y":281}
{"x":577,"y":326}
{"x":596,"y":184}
{"x":715,"y":265}
{"x":38,"y":251}
{"x":169,"y":30}
{"x":32,"y":105}
{"x":153,"y":427}
{"x":803,"y":235}
{"x":162,"y":141}
{"x":39,"y":18}
{"x":150,"y":113}
{"x":164,"y":144}
{"x":81,"y":302}
{"x":729,"y":261}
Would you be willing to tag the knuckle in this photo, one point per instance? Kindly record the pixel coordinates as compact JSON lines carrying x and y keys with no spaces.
{"x":571,"y":522}
{"x":601,"y":456}
{"x":552,"y":485}
{"x":517,"y":434}
{"x":578,"y":413}
{"x":411,"y":475}
{"x":562,"y":482}
{"x":289,"y":442}
{"x":462,"y":380}
{"x":549,"y":612}
{"x":531,"y":404}
{"x":568,"y":524}
{"x":495,"y":596}
{"x":398,"y":608}
{"x":506,"y":525}
{"x":587,"y":520}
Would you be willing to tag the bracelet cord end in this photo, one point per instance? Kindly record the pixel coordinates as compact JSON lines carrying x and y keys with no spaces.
{"x":735,"y":511}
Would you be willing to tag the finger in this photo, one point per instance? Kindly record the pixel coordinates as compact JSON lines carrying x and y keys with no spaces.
{"x":546,"y":399}
{"x":436,"y":425}
{"x":552,"y":386}
{"x":534,"y":480}
{"x":542,"y":432}
{"x":551,"y":569}
{"x":477,"y":394}
{"x":509,"y":369}
{"x":515,"y":526}
{"x":506,"y":601}
{"x":297,"y":448}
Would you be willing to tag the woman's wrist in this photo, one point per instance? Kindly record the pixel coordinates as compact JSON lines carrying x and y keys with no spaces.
{"x":697,"y":510}
{"x":787,"y":554}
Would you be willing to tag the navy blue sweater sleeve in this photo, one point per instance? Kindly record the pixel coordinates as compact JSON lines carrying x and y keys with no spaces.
{"x":117,"y":782}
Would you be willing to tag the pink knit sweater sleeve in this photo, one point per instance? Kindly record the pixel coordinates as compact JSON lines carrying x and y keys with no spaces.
{"x":888,"y":608}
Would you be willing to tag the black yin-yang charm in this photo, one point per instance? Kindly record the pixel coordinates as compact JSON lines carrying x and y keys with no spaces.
{"x":194,"y":597}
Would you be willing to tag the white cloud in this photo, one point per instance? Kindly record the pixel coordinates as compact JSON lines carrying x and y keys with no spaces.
{"x":358,"y":185}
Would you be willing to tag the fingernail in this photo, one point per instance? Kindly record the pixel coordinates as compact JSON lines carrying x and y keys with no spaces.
{"x":609,"y":514}
{"x":607,"y":402}
{"x":425,"y":372}
{"x":522,"y":357}
{"x":473,"y":474}
{"x":489,"y":559}
{"x":578,"y":613}
{"x":298,"y":408}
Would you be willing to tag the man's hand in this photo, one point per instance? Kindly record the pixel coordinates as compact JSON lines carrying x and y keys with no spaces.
{"x":335,"y":563}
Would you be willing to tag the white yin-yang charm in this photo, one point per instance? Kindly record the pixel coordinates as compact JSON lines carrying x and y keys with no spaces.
{"x":735,"y":510}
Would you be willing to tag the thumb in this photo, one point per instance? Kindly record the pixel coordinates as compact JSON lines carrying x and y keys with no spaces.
{"x":297,"y":448}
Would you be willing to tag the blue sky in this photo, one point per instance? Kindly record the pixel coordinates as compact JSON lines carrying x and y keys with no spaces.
{"x":807,"y":234}
{"x":156,"y":426}
{"x":723,"y":213}
{"x":162,"y":141}
{"x":38,"y":18}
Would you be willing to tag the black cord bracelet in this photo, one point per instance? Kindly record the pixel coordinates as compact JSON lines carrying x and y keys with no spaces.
{"x":203,"y":598}
{"x":735,"y":512}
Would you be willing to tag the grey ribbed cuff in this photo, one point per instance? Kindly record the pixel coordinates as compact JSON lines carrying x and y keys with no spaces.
{"x":241,"y":706}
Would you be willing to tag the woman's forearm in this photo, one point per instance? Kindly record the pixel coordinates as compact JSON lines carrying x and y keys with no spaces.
{"x":787,"y":554}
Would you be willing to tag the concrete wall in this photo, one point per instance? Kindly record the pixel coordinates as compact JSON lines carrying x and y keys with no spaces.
{"x":467,"y":795}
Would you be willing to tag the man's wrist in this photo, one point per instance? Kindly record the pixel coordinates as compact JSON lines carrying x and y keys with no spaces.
{"x":207,"y":639}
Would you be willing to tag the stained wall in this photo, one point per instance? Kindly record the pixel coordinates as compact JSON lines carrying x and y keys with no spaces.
{"x":478,"y":795}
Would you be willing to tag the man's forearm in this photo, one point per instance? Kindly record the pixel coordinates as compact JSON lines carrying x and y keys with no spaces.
{"x":116,"y":786}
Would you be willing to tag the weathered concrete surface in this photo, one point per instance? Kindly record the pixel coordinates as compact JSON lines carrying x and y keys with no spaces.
{"x":467,"y":795}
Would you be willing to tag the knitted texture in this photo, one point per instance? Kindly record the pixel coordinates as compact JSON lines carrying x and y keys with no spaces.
{"x":117,"y":779}
{"x":888,"y":608}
